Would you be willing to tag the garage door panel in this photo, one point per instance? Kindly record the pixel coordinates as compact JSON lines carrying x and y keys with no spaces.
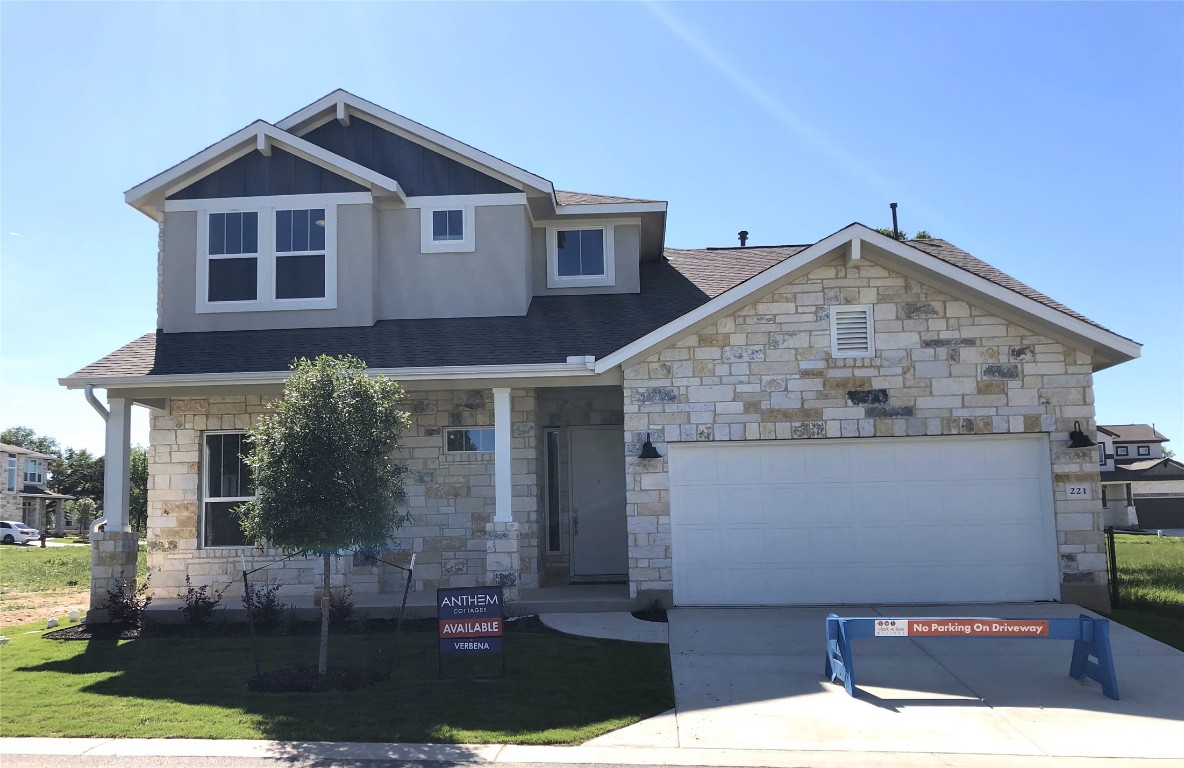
{"x":847,"y":521}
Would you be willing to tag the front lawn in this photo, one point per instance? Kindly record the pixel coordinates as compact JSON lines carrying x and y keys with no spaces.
{"x":30,"y":568}
{"x":1151,"y":586}
{"x":557,"y":690}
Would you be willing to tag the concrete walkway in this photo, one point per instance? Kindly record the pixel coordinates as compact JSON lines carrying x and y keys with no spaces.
{"x":608,"y":626}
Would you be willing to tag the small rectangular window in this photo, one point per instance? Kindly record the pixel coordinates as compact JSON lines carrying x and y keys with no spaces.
{"x":1143,"y":450}
{"x":11,"y":473}
{"x":469,"y":440}
{"x":34,"y":472}
{"x":851,"y":331}
{"x":1121,"y":450}
{"x":448,"y":225}
{"x":1101,"y":454}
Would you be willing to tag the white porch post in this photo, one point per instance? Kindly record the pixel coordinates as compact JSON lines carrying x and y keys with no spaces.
{"x":117,"y":464}
{"x":503,"y":475}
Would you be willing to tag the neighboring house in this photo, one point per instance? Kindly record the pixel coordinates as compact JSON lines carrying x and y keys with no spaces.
{"x":1141,"y":486}
{"x":596,"y":415}
{"x":23,"y":497}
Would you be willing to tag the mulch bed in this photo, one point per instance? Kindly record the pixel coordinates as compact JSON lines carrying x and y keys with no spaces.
{"x":522,"y":624}
{"x":654,"y":616}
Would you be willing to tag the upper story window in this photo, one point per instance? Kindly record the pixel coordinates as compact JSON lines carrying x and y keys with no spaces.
{"x":580,"y":256}
{"x":266,"y":253}
{"x":446,"y":228}
{"x":1143,"y":450}
{"x":1121,"y":450}
{"x":11,"y":479}
{"x":34,"y":471}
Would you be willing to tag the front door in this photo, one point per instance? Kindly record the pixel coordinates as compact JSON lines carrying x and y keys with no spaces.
{"x":599,"y":538}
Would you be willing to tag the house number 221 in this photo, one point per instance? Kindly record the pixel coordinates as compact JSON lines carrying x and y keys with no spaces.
{"x":1077,"y":491}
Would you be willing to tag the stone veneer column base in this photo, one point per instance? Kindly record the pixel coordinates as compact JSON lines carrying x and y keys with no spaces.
{"x":1096,"y":597}
{"x":112,"y":556}
{"x":503,"y":563}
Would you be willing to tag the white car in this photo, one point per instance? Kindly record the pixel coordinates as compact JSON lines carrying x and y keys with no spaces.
{"x":12,"y":532}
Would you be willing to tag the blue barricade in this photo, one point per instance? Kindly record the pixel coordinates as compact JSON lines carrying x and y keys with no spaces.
{"x":1092,"y":657}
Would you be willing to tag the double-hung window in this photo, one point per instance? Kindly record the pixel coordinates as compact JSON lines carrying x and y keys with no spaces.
{"x":11,"y":484}
{"x":34,"y":472}
{"x":271,"y":253}
{"x":226,"y":483}
{"x":580,"y":256}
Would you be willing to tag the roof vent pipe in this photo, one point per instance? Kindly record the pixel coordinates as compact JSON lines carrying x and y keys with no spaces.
{"x":743,"y":234}
{"x":895,"y":229}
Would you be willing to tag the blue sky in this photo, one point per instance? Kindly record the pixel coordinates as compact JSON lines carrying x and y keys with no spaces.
{"x":1046,"y":139}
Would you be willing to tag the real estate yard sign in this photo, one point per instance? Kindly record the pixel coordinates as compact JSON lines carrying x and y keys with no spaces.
{"x":471,"y":620}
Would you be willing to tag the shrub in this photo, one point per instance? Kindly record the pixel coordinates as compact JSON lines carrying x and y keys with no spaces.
{"x":125,"y":603}
{"x":200,"y":603}
{"x":341,"y":607}
{"x":264,"y":608}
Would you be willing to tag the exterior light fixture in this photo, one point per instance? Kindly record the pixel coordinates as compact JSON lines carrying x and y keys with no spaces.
{"x":648,"y":451}
{"x":1078,"y":439}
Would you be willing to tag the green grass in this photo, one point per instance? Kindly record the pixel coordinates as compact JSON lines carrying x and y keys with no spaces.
{"x":557,"y":690}
{"x":53,"y":569}
{"x":1151,"y":586}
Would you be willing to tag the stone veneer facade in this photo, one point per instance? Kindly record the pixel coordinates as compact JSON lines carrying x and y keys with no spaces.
{"x":942,"y":367}
{"x":450,"y":496}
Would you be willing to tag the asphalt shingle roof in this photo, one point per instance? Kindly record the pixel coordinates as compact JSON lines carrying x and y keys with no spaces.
{"x":1134,"y":433}
{"x":553,"y":329}
{"x":564,"y":197}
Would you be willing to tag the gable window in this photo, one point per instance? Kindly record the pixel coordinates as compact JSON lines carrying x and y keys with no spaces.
{"x":851,"y":331}
{"x":446,"y":229}
{"x":1143,"y":450}
{"x":469,"y":440}
{"x":11,"y":485}
{"x":1121,"y":450}
{"x":34,"y":472}
{"x":266,"y":253}
{"x":226,"y":483}
{"x":580,"y":256}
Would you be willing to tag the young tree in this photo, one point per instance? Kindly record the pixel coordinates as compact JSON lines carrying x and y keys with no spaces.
{"x":82,"y":511}
{"x":321,"y":462}
{"x":78,"y":473}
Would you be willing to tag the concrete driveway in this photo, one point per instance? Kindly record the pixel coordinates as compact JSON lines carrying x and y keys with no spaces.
{"x":752,"y":679}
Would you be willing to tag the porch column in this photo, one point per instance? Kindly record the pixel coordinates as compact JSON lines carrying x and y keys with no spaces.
{"x":1132,"y":517}
{"x":59,"y":518}
{"x":503,"y":474}
{"x":117,"y":464}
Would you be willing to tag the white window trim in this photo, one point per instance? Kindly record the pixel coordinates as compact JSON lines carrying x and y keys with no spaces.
{"x":582,"y":281}
{"x":10,"y":474}
{"x":467,"y":244}
{"x":204,"y":484}
{"x":266,"y":256}
{"x":870,"y":350}
{"x":467,"y":429}
{"x":34,"y":472}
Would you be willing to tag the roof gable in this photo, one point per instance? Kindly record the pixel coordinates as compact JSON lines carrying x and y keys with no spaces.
{"x":255,"y":174}
{"x":947,"y":268}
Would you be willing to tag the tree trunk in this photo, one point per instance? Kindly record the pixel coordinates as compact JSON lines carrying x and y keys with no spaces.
{"x":326,"y":601}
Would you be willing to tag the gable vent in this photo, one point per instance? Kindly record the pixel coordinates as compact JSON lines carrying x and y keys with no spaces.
{"x":851,"y":331}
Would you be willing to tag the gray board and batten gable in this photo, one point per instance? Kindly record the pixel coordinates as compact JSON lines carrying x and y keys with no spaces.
{"x":419,"y":171}
{"x":257,"y":175}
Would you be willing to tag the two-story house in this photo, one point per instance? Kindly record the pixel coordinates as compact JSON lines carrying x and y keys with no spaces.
{"x":599,"y":418}
{"x":23,"y":496}
{"x":1141,"y":485}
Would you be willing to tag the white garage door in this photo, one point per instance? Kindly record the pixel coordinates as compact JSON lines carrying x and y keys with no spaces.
{"x":910,"y":520}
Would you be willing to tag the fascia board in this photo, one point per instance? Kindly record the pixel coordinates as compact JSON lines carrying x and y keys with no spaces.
{"x":1118,"y":349}
{"x":444,"y":373}
{"x":240,"y":143}
{"x":610,"y":209}
{"x":405,"y":125}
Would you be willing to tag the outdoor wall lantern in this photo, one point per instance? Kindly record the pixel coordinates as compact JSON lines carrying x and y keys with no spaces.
{"x":648,"y":451}
{"x":1078,"y":439}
